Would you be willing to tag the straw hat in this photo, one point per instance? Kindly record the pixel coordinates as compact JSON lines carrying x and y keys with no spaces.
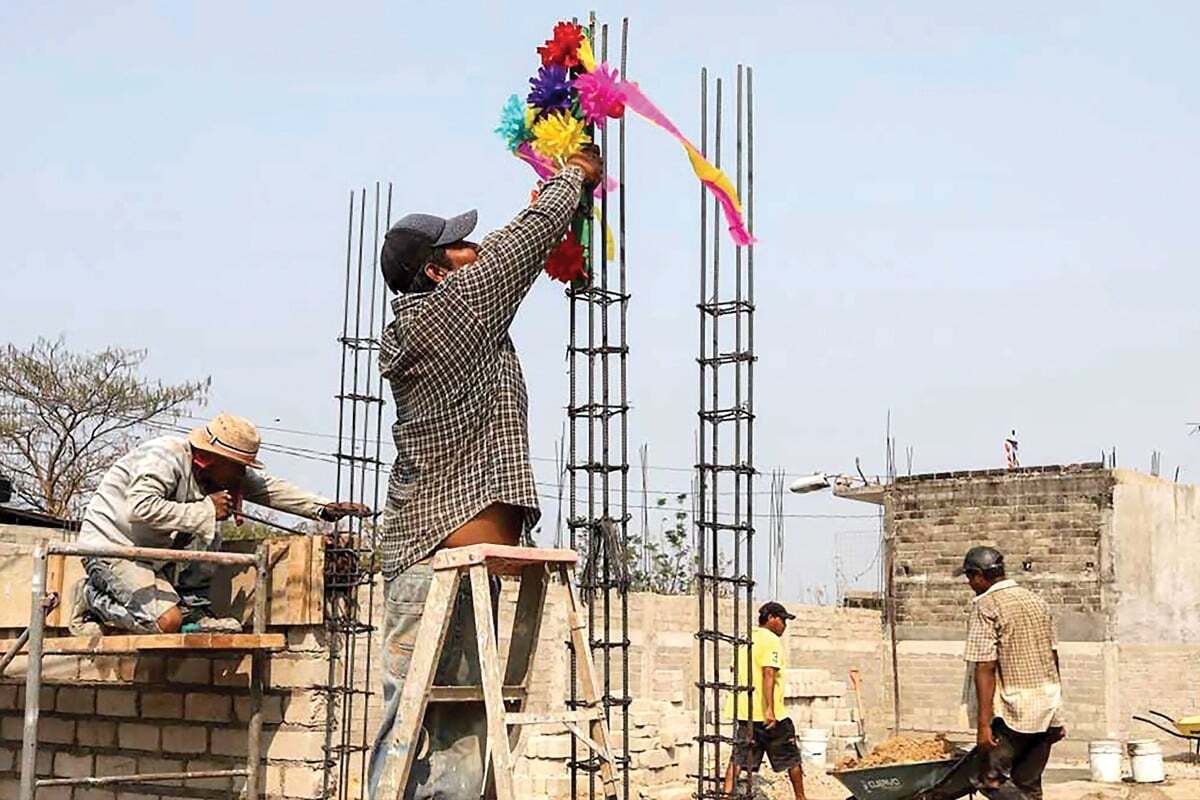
{"x":232,"y":437}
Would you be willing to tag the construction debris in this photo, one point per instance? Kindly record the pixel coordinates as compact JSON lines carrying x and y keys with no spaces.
{"x":902,"y":750}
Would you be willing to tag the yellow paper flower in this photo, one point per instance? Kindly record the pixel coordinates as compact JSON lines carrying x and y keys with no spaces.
{"x":559,"y":136}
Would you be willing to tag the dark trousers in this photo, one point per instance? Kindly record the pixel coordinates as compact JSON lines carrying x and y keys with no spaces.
{"x":1012,"y":770}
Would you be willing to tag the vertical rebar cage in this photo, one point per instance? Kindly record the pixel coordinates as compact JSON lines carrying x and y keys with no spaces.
{"x":725,"y":463}
{"x":597,"y":461}
{"x":350,"y":560}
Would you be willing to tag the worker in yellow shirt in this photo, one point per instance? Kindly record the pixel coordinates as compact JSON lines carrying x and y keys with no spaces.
{"x":759,"y":729}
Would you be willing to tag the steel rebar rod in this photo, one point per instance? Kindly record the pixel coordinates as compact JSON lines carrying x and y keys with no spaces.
{"x":702,"y":476}
{"x":146,"y":777}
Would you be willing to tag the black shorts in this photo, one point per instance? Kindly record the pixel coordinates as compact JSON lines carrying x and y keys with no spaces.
{"x":778,"y":743}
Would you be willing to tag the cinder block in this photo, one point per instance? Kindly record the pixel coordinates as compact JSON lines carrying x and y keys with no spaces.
{"x":231,"y":672}
{"x":304,"y":783}
{"x":189,"y":670}
{"x":96,"y":733}
{"x":201,"y":706}
{"x":67,"y":765}
{"x":94,"y":794}
{"x":116,"y":703}
{"x":296,"y":745}
{"x":99,"y":669}
{"x":157,"y":764}
{"x":305,"y":708}
{"x":136,"y":736}
{"x":8,"y":697}
{"x":228,"y":742}
{"x":185,"y":739}
{"x":272,"y":709}
{"x":56,"y":730}
{"x":162,"y":705}
{"x":76,"y":700}
{"x":298,"y":671}
{"x":115,"y":765}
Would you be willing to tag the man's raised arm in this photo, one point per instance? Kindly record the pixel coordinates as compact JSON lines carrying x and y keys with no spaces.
{"x":514,"y":256}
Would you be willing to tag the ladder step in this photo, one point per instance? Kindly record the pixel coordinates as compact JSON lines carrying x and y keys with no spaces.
{"x":469,"y":694}
{"x":588,"y":715}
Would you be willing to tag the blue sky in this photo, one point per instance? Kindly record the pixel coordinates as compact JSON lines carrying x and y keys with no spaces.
{"x":976,"y":217}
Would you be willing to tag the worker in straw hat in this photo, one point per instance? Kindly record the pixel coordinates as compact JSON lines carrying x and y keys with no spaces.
{"x":171,"y":492}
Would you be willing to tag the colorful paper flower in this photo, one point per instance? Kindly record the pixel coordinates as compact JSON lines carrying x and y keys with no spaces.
{"x":563,"y":49}
{"x":550,"y":89}
{"x":559,"y":136}
{"x":516,"y":123}
{"x":565,"y":262}
{"x":600,"y":94}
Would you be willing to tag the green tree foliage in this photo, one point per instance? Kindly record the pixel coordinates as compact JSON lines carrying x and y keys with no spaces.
{"x":65,"y":417}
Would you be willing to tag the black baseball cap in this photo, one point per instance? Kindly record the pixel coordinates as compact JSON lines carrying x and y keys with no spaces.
{"x":409,"y":244}
{"x":773,"y":609}
{"x":981,"y":559}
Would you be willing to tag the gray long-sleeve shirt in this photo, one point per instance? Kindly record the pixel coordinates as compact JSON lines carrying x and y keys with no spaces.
{"x":151,"y":494}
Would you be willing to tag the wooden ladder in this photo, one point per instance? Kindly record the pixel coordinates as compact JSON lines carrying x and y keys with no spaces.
{"x":502,"y":686}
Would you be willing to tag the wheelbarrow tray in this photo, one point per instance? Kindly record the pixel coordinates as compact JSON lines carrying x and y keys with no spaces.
{"x":1188,"y":726}
{"x":895,"y":781}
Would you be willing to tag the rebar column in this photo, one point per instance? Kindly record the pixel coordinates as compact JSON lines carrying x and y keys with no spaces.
{"x":597,"y":449}
{"x":725,"y":516}
{"x":350,"y":562}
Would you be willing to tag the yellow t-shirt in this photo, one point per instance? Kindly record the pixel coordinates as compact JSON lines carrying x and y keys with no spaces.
{"x":766,"y":650}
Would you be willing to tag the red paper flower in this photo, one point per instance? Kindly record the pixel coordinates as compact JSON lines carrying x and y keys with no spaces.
{"x":565,"y":262}
{"x":563,"y":49}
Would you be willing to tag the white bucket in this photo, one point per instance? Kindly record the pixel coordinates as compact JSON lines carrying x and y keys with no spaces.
{"x":813,"y":744}
{"x":1145,"y":756}
{"x":1104,"y":758}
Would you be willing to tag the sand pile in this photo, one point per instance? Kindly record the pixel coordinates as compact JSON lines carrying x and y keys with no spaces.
{"x":902,"y":750}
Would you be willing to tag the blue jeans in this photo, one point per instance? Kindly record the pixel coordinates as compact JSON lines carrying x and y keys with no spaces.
{"x":450,"y":755}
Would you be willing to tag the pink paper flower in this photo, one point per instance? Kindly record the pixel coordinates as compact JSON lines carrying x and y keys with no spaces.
{"x":601,"y":94}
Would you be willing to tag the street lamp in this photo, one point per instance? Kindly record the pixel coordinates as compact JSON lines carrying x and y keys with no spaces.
{"x":809,"y":483}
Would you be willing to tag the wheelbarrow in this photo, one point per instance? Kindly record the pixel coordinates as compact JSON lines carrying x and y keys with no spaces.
{"x":897,"y":781}
{"x":1183,"y":728}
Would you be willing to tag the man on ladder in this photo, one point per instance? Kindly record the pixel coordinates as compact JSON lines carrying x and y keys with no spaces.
{"x":462,"y":474}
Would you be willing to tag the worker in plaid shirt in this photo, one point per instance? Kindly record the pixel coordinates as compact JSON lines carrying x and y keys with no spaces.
{"x":1013,"y":650}
{"x":462,"y":474}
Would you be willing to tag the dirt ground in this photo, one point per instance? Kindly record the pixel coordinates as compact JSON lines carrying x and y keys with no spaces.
{"x":1060,"y":784}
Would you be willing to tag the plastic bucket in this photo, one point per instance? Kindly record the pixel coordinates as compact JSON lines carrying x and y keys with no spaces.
{"x":1104,"y":758}
{"x":813,"y":744}
{"x":1145,"y":756}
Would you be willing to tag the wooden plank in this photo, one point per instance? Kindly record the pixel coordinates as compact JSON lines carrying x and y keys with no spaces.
{"x":489,"y":664}
{"x":297,"y":583}
{"x":402,"y":751}
{"x":468,"y":694}
{"x":501,"y":558}
{"x":100,"y":645}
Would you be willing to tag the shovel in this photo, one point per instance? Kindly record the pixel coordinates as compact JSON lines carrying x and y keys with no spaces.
{"x":860,"y":745}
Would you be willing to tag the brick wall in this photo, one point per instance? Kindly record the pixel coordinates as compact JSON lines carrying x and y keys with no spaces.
{"x":1050,"y":517}
{"x":124,"y":715}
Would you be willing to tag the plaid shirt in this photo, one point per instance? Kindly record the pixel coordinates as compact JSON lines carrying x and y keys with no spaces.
{"x":461,"y":429}
{"x":1013,"y":627}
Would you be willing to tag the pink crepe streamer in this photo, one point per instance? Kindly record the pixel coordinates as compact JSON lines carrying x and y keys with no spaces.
{"x":716,"y":181}
{"x":545,"y":168}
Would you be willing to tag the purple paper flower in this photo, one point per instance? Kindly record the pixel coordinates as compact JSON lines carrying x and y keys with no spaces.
{"x":551,"y":89}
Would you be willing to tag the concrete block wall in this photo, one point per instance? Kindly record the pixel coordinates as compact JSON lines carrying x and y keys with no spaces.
{"x":125,"y":715}
{"x":1047,"y":520}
